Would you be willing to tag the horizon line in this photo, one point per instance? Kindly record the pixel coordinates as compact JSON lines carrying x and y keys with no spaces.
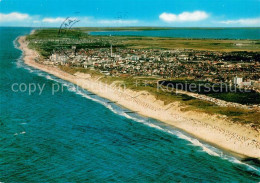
{"x":128,"y":27}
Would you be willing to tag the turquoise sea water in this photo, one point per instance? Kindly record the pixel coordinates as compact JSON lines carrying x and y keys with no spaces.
{"x":212,"y":33}
{"x":75,"y":137}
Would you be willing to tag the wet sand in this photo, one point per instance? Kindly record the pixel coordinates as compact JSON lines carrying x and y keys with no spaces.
{"x":215,"y":129}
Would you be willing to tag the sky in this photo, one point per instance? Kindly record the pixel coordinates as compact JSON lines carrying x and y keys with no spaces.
{"x":119,"y":13}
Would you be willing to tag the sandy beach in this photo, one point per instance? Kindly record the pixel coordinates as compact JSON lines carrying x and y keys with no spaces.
{"x":241,"y":139}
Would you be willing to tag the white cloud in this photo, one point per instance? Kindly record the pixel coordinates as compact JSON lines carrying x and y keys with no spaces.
{"x":248,"y":21}
{"x":13,"y":17}
{"x":53,"y":20}
{"x":184,"y":17}
{"x":117,"y":21}
{"x":168,"y":17}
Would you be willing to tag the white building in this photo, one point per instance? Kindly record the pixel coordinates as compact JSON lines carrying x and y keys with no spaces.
{"x":248,"y":83}
{"x":238,"y":81}
{"x":135,"y":58}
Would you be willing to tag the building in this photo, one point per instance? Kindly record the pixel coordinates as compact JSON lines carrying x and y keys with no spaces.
{"x":135,"y":58}
{"x":238,"y":81}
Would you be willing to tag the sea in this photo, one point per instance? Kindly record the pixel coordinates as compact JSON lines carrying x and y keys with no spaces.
{"x":74,"y":136}
{"x":190,"y":33}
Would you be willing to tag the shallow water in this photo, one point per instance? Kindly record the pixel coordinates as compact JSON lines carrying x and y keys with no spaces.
{"x":72,"y":136}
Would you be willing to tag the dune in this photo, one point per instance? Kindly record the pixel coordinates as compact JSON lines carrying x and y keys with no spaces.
{"x":237,"y":138}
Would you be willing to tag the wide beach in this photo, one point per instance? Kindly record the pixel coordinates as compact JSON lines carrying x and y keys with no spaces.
{"x":236,"y":138}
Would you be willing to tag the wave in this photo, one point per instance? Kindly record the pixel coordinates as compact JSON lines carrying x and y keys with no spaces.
{"x":195,"y":142}
{"x":20,"y":133}
{"x":16,"y":44}
{"x":119,"y":111}
{"x":206,"y":148}
{"x":19,"y":62}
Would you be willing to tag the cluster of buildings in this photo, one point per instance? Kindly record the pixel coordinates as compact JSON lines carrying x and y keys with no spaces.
{"x":186,"y":63}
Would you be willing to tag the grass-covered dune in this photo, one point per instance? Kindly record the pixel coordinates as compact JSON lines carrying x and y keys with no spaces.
{"x":224,"y":92}
{"x":47,"y":40}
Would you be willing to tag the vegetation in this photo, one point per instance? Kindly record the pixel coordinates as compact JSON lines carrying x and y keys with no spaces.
{"x":196,"y":44}
{"x":187,"y":103}
{"x":223,"y":92}
{"x":46,"y":40}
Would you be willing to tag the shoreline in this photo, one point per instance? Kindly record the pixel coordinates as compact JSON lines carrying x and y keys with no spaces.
{"x":236,"y":138}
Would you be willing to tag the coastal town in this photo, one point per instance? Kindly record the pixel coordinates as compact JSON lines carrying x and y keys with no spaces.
{"x":237,"y":68}
{"x":98,"y":68}
{"x":126,"y":91}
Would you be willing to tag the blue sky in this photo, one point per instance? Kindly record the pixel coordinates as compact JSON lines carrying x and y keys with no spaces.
{"x":170,"y":13}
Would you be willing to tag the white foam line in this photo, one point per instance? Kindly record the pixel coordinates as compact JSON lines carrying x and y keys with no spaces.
{"x":20,"y":63}
{"x":205,"y":148}
{"x":15,"y":43}
{"x":19,"y":133}
{"x":195,"y":142}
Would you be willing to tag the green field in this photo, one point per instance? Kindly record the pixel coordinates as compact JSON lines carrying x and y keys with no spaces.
{"x":196,"y":44}
{"x":47,"y":40}
{"x":188,"y":103}
{"x":51,"y":38}
{"x":225,"y":92}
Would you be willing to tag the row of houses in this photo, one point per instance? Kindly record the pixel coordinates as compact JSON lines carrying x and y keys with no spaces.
{"x":208,"y":66}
